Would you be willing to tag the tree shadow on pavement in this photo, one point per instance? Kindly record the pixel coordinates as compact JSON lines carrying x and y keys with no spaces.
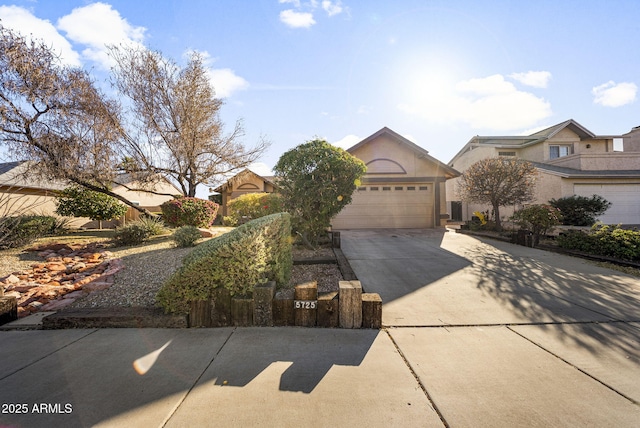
{"x":567,"y":293}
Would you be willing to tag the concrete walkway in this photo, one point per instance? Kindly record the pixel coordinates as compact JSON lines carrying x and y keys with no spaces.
{"x":478,"y":333}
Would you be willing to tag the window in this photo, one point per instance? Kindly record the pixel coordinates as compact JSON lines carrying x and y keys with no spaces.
{"x":559,"y":151}
{"x":373,"y":189}
{"x":386,"y":188}
{"x":506,"y":153}
{"x":399,"y":188}
{"x":361,"y":189}
{"x":424,"y":188}
{"x":411,"y":187}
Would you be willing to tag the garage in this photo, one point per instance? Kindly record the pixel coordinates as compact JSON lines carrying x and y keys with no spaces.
{"x":402,"y":188}
{"x":389,"y":206}
{"x":625,"y":200}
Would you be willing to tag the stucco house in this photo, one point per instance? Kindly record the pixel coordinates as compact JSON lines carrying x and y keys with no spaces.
{"x":246,"y":181}
{"x":22,"y":192}
{"x":571,"y":160}
{"x":404,"y":186}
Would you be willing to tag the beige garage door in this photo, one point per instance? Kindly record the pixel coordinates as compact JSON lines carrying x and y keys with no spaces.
{"x":388,"y":206}
{"x":624,"y":198}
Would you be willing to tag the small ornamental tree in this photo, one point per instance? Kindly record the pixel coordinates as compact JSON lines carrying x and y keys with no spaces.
{"x":316,"y":180}
{"x":581,"y":210}
{"x":76,"y":201}
{"x":498,"y":182}
{"x":185,"y":211}
{"x":538,"y":219}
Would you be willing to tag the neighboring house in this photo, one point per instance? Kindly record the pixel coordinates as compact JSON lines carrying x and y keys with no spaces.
{"x":404,"y":187}
{"x":22,"y":192}
{"x":570,"y":160}
{"x":246,"y":181}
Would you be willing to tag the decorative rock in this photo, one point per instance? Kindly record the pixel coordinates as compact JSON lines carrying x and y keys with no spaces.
{"x":205,"y":233}
{"x":11,"y":279}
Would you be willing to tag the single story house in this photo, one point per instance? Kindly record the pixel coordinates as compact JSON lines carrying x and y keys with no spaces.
{"x":570,"y":160}
{"x":404,"y":187}
{"x":246,"y":181}
{"x":22,"y":192}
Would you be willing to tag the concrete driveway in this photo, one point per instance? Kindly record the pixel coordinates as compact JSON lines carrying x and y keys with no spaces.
{"x":479,"y":333}
{"x":541,"y":339}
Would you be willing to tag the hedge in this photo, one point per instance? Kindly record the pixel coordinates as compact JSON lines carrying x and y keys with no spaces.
{"x":604,"y":241}
{"x":251,"y":206}
{"x":256,"y":252}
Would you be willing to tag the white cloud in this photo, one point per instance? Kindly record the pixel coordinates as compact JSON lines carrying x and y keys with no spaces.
{"x":24,"y":22}
{"x":296,"y":3}
{"x":96,"y":26}
{"x":297,"y":19}
{"x":537,"y":79}
{"x":612,"y":94}
{"x":483,"y":103}
{"x":226,"y":82}
{"x":347,"y":141}
{"x":332,"y":8}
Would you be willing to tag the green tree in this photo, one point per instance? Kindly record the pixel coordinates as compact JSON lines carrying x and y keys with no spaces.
{"x":580,"y":210}
{"x":498,"y":182}
{"x":538,"y":219}
{"x":316,"y":180}
{"x":76,"y":201}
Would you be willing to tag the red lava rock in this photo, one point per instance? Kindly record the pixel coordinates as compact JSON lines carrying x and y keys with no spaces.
{"x":70,"y":271}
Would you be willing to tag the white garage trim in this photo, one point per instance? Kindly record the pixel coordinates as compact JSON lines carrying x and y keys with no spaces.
{"x":625,"y":200}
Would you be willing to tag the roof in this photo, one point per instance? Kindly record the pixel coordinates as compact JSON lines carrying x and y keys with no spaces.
{"x":268,"y":178}
{"x":20,"y":175}
{"x":422,"y":153}
{"x":577,"y":173}
{"x":518,"y":141}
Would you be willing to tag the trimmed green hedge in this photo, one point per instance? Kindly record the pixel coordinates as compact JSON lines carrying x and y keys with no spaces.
{"x":256,"y":252}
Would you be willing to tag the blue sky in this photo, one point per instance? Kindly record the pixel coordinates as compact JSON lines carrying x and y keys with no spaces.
{"x":437,"y":72}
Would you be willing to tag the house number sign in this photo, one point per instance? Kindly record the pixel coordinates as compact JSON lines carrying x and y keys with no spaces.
{"x":305,"y":304}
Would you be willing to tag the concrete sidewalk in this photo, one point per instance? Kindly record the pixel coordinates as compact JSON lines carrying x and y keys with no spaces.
{"x":478,"y":334}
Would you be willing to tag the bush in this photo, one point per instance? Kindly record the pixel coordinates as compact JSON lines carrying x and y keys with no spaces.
{"x":251,"y":206}
{"x":186,"y":211}
{"x":132,"y":234}
{"x":538,"y":219}
{"x":186,"y":236}
{"x":23,"y":230}
{"x":604,"y":241}
{"x":256,"y":252}
{"x":153,"y":225}
{"x":580,"y":210}
{"x":78,"y":201}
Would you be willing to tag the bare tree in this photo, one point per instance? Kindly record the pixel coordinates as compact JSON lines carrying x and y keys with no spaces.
{"x":498,"y":182}
{"x":55,"y":116}
{"x":174,"y":126}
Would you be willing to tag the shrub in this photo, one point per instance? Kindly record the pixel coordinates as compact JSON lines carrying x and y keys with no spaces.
{"x":153,"y":225}
{"x":538,"y":219}
{"x":580,"y":210}
{"x":186,"y":236}
{"x":184,"y":211}
{"x":256,"y":252}
{"x":131,"y":234}
{"x":251,"y":206}
{"x":23,"y":230}
{"x":604,"y":241}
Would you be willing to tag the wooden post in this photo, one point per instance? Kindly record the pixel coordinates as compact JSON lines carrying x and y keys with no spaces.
{"x":200,"y":313}
{"x":335,"y":239}
{"x":221,"y":307}
{"x":371,"y":310}
{"x":328,"y":310}
{"x":306,"y":304}
{"x":263,"y":303}
{"x":242,"y":311}
{"x":283,"y":310}
{"x":8,"y":308}
{"x":350,"y":304}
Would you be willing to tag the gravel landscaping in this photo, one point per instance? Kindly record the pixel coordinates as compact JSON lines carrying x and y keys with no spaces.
{"x":146,"y":268}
